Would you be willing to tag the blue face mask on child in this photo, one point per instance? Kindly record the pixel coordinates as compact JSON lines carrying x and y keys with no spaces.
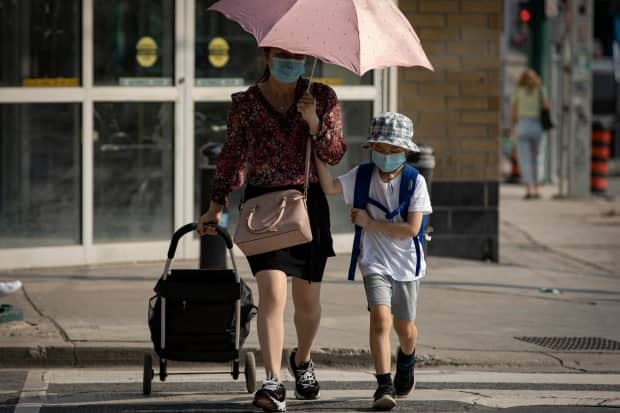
{"x":287,"y":70}
{"x":388,"y":162}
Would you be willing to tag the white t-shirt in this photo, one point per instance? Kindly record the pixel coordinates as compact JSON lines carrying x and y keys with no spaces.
{"x":380,"y":253}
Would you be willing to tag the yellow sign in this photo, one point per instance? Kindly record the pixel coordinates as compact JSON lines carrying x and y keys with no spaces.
{"x":51,"y":82}
{"x":332,"y":81}
{"x":146,"y":51}
{"x":218,"y":52}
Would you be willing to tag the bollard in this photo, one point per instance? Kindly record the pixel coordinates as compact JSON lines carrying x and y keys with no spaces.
{"x":601,"y":140}
{"x":424,"y":162}
{"x":212,"y":248}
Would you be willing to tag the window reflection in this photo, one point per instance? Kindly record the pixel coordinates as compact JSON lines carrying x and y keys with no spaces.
{"x":133,"y":171}
{"x":40,"y":174}
{"x":209,"y":133}
{"x":134,"y":42}
{"x":40,"y":42}
{"x":356,"y":117}
{"x":227,"y":55}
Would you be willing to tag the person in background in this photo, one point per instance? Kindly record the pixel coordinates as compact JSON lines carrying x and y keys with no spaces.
{"x":526,"y":102}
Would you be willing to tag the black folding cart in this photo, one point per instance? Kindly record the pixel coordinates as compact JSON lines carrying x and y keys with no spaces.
{"x":200,"y":315}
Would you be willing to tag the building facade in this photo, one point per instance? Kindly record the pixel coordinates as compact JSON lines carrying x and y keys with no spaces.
{"x":456,"y":109}
{"x":107,"y":109}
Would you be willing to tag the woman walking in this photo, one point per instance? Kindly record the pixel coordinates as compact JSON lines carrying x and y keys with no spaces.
{"x":268,"y":129}
{"x":526,"y":103}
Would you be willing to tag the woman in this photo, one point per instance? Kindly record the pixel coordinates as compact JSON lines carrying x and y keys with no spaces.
{"x":268,"y":128}
{"x":527,"y":101}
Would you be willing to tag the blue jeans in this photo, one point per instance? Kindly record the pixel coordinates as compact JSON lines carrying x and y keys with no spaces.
{"x":529,"y":134}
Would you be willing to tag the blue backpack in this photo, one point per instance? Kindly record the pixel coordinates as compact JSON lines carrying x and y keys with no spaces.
{"x":361,"y":200}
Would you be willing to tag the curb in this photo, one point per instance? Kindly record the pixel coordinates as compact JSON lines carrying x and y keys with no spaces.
{"x":81,"y":355}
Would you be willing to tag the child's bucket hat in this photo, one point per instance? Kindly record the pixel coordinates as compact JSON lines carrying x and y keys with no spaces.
{"x":392,"y":128}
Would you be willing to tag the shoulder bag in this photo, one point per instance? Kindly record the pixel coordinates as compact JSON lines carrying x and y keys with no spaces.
{"x":275,"y":220}
{"x":545,"y":114}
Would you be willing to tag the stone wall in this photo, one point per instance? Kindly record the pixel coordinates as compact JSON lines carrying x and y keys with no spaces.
{"x":456,"y":109}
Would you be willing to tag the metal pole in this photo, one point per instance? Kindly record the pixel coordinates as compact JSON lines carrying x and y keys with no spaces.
{"x":580,"y":98}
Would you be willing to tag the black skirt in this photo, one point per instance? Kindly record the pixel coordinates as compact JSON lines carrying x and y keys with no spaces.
{"x":306,"y":261}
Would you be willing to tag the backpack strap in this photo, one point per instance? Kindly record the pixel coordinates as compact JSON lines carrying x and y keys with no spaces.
{"x":407,"y":188}
{"x":360,"y":200}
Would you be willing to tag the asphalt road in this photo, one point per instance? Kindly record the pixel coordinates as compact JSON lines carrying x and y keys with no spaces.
{"x":120,"y":390}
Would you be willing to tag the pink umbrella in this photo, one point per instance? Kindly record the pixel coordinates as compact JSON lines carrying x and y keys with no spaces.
{"x":359,"y":35}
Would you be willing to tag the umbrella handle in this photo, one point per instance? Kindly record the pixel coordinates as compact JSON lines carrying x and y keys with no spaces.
{"x":311,"y":75}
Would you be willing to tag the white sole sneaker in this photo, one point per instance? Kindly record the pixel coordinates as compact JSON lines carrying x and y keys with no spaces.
{"x":384,"y":403}
{"x":290,"y":370}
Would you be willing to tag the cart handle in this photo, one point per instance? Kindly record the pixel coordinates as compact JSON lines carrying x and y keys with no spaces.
{"x":187,"y":228}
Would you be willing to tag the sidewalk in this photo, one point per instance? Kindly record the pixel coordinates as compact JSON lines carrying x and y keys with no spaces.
{"x":468,"y":314}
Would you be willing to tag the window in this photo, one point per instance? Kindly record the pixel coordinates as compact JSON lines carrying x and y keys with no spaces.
{"x":40,"y":42}
{"x":134,"y":43}
{"x":227,"y":55}
{"x":356,"y":117}
{"x":133,"y":171}
{"x":40,"y":174}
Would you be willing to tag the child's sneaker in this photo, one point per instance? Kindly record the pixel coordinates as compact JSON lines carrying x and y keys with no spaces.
{"x":306,"y":385}
{"x":384,"y":398}
{"x":404,"y":380}
{"x":271,"y":397}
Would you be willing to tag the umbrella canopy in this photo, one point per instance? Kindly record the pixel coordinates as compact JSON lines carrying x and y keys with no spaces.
{"x":358,"y":35}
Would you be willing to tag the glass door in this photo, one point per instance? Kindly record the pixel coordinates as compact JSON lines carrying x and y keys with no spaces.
{"x":108,"y":111}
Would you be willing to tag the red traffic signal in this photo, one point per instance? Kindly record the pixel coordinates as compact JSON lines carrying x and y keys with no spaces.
{"x":525,"y":15}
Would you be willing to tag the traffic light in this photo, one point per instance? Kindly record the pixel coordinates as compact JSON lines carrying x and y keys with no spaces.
{"x":525,"y":12}
{"x":525,"y":16}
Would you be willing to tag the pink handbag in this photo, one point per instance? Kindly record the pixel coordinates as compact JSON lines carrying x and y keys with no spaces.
{"x":275,"y":220}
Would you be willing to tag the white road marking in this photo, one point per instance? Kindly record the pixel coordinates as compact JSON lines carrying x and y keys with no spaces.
{"x":37,"y":393}
{"x":32,"y":396}
{"x":77,"y":376}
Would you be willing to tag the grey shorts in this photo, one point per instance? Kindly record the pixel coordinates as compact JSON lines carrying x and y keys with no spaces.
{"x":400,"y":296}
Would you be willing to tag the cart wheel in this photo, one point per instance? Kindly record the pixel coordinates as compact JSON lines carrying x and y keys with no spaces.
{"x":235,"y":369}
{"x":163,"y":369}
{"x":148,"y":374}
{"x":250,"y":372}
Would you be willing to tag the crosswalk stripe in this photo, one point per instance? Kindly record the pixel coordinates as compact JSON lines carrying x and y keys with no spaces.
{"x":61,"y":388}
{"x":33,"y":394}
{"x":81,"y":376}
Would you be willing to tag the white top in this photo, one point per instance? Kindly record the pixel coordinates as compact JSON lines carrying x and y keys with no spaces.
{"x":380,"y":253}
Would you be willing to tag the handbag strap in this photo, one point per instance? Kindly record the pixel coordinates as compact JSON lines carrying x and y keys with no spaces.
{"x":306,"y":173}
{"x":307,"y":170}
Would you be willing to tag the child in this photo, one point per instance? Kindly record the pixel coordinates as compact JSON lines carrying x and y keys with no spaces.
{"x":390,"y":259}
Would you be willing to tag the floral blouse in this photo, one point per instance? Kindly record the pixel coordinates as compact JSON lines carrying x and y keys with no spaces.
{"x":268,"y":148}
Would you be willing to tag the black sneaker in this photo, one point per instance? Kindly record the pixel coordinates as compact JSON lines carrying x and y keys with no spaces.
{"x":384,"y":398}
{"x":271,"y":397}
{"x":306,"y":385}
{"x":404,"y":380}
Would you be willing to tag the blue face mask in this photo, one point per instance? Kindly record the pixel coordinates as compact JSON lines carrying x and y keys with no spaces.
{"x":287,"y":70}
{"x":388,"y":162}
